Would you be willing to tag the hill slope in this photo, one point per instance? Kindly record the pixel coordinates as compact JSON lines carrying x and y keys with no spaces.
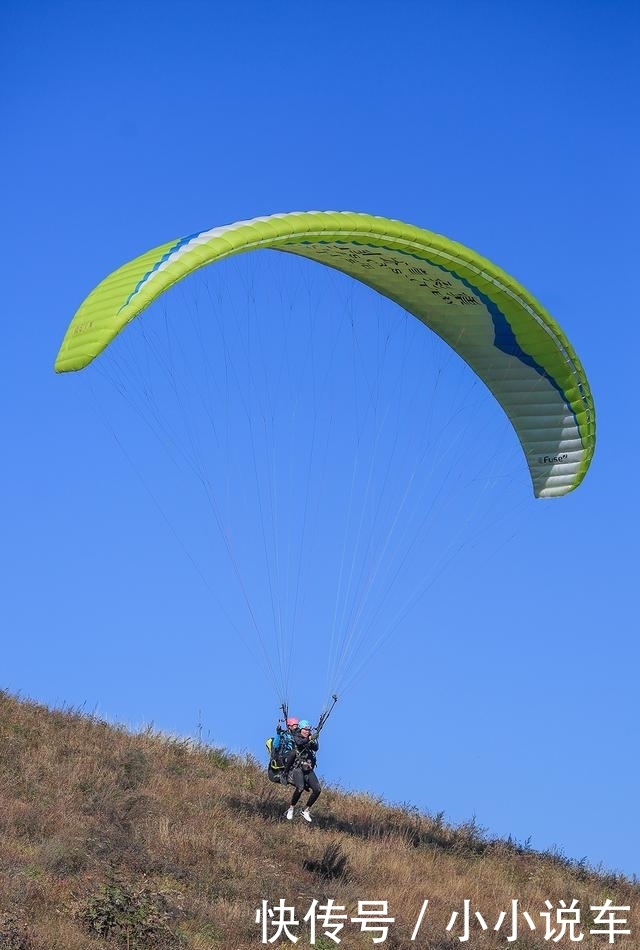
{"x":111,"y":839}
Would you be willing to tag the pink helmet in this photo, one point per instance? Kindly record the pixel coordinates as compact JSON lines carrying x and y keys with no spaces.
{"x":292,"y":722}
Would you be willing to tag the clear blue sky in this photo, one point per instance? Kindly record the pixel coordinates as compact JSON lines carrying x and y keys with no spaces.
{"x":510,"y":128}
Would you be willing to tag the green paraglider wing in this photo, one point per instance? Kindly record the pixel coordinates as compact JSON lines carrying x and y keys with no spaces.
{"x":489,"y":319}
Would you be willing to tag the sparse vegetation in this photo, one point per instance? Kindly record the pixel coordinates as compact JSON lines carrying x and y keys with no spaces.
{"x":110,"y":839}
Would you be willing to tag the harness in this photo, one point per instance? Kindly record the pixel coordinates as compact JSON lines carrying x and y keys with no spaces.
{"x":305,"y":759}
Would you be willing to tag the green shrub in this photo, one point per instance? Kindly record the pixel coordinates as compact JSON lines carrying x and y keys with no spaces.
{"x":134,"y":769}
{"x":130,"y":915}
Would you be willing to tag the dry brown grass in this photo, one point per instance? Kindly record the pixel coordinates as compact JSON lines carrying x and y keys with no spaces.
{"x":111,"y":839}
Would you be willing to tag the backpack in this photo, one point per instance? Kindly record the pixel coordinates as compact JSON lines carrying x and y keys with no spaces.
{"x":278,"y":747}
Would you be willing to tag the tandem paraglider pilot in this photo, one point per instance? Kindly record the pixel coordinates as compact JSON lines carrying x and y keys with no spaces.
{"x":300,"y":764}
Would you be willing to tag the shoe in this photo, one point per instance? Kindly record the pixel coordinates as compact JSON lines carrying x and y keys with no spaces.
{"x":290,"y":813}
{"x":305,"y":814}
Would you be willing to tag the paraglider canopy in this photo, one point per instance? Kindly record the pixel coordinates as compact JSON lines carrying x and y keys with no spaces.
{"x":487,"y":317}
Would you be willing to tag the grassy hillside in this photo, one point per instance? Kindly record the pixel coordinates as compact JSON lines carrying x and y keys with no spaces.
{"x":116,"y":840}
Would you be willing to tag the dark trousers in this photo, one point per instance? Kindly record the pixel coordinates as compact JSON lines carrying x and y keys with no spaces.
{"x":304,"y":780}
